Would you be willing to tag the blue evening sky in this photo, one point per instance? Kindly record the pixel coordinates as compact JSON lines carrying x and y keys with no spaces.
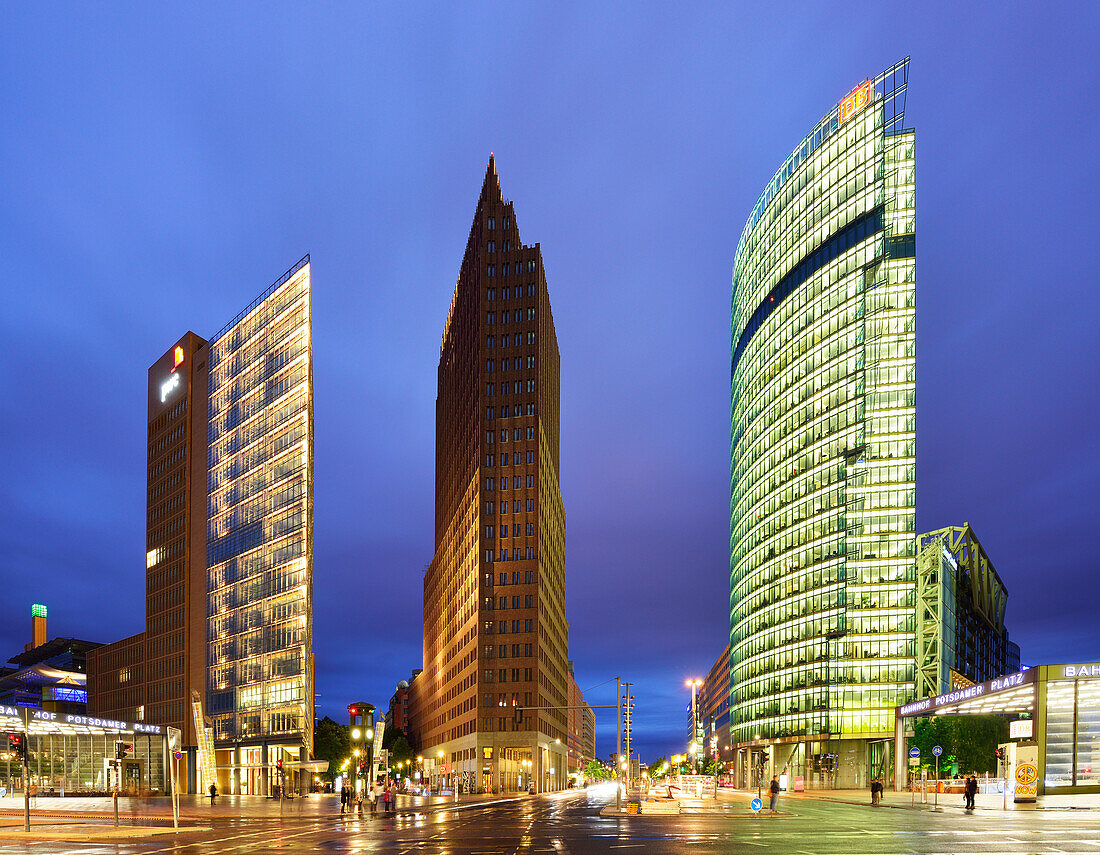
{"x":161,"y":164}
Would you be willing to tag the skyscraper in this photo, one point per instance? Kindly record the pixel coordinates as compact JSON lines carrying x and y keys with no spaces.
{"x":823,"y":446}
{"x":496,"y":644}
{"x":229,"y":549}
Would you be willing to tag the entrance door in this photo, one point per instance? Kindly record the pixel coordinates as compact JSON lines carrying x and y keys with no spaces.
{"x":131,"y":777}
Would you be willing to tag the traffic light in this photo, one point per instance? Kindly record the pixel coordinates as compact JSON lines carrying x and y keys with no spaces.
{"x":279,"y":764}
{"x":15,"y":745}
{"x":519,"y":715}
{"x":1000,"y":753}
{"x":123,"y":749}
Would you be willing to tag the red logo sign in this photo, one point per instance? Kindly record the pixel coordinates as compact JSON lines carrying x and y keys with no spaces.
{"x":178,"y":357}
{"x":860,"y":98}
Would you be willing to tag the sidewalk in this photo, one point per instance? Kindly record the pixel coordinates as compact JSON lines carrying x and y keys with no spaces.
{"x":946,"y":801}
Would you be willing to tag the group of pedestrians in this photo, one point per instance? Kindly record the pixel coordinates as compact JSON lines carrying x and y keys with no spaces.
{"x":970,"y":789}
{"x":349,"y":801}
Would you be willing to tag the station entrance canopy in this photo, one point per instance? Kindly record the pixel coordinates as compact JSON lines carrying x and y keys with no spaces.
{"x":1015,"y":693}
{"x":73,"y":753}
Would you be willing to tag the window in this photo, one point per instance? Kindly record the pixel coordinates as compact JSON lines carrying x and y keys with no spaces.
{"x":502,"y":603}
{"x":503,"y":627}
{"x":504,"y":436}
{"x":504,"y":316}
{"x":491,"y":317}
{"x":530,"y":457}
{"x":488,"y":556}
{"x":492,"y":223}
{"x":528,"y":626}
{"x":530,"y":433}
{"x":492,"y":293}
{"x":519,"y":434}
{"x":489,"y":388}
{"x":530,"y":529}
{"x":515,"y":506}
{"x":527,"y":649}
{"x":508,"y":246}
{"x":526,"y":673}
{"x":530,"y":361}
{"x":530,"y":552}
{"x":506,"y":293}
{"x":504,"y":342}
{"x":529,"y":601}
{"x":488,"y":483}
{"x":515,"y":626}
{"x":502,"y":676}
{"x":530,"y":505}
{"x":492,"y":246}
{"x":529,"y":577}
{"x":517,"y":458}
{"x":490,"y":436}
{"x":489,"y":413}
{"x":488,"y":531}
{"x":531,"y":266}
{"x":492,"y":270}
{"x":518,"y":480}
{"x":503,"y":578}
{"x":507,"y":223}
{"x":530,"y":481}
{"x":515,"y":578}
{"x":531,"y":290}
{"x":515,"y":655}
{"x":530,"y":314}
{"x":530,"y":385}
{"x":530,"y":338}
{"x":515,"y":602}
{"x":490,"y":365}
{"x":491,"y":341}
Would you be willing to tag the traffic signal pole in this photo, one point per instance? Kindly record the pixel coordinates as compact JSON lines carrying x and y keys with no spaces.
{"x":26,"y":773}
{"x":619,"y":744}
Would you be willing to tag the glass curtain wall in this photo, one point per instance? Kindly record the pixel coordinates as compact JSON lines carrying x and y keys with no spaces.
{"x":260,"y":537}
{"x":822,"y":534}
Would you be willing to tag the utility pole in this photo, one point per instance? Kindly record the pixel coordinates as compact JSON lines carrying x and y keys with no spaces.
{"x":619,"y":744}
{"x":628,"y":718}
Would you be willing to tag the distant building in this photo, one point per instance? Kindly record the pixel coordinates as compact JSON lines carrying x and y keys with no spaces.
{"x":47,"y":675}
{"x":961,"y":601}
{"x":489,"y":710}
{"x":581,"y":741}
{"x":397,"y":714}
{"x":713,"y":710}
{"x":228,"y":551}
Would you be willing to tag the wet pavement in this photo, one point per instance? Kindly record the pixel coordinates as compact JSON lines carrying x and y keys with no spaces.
{"x":570,"y":823}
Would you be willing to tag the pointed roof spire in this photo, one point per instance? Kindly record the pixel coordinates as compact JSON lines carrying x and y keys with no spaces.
{"x":491,"y":186}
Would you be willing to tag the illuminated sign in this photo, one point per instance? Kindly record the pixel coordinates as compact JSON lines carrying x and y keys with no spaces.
{"x":1022,"y":729}
{"x":1092,"y":670}
{"x":970,"y":692}
{"x":177,"y":358}
{"x":168,"y":385}
{"x":860,"y":98}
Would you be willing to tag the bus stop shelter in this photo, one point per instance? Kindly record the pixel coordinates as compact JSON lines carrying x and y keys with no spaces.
{"x":1055,"y":708}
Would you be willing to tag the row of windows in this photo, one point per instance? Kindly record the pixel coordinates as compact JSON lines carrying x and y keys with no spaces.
{"x":516,"y":507}
{"x":517,"y":530}
{"x":517,"y":482}
{"x":507,"y":317}
{"x":491,"y":223}
{"x":516,"y":459}
{"x":515,"y":388}
{"x":501,"y":675}
{"x":502,"y":602}
{"x":502,"y":626}
{"x":506,"y":293}
{"x":508,"y":340}
{"x":511,"y":411}
{"x":517,"y":268}
{"x":528,"y":578}
{"x":525,"y":554}
{"x":517,"y":435}
{"x":506,"y":364}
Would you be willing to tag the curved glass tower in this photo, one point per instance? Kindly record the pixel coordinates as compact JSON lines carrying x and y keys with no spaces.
{"x":822,"y":483}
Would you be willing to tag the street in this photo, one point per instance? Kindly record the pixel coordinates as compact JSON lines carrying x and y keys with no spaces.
{"x":570,"y":823}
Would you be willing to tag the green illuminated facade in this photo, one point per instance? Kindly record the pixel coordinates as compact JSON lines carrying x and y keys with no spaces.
{"x":823,"y":442}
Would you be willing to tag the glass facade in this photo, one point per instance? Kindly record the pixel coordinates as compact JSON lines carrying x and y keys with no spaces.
{"x":823,"y":433}
{"x":1073,"y":733}
{"x":260,"y":530}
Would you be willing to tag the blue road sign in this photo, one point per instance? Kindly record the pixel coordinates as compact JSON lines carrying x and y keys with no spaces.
{"x":936,"y":751}
{"x":914,"y":752}
{"x":756,"y":804}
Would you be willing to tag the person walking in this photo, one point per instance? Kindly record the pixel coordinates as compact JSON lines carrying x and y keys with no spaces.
{"x":344,"y":794}
{"x":213,"y":793}
{"x":387,"y":798}
{"x":773,"y":788}
{"x":373,"y":795}
{"x":876,"y":791}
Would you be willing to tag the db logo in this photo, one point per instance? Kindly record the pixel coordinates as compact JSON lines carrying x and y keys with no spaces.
{"x":860,"y":98}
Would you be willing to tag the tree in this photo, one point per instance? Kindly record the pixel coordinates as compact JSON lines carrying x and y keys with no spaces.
{"x":594,"y":771}
{"x":968,"y":740}
{"x":659,"y":767}
{"x":332,"y":742}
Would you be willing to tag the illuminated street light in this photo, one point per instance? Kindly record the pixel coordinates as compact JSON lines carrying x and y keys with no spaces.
{"x":356,"y":733}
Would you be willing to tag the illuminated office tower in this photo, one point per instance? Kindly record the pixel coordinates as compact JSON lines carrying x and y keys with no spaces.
{"x":823,"y":448}
{"x":260,"y":537}
{"x":496,"y":643}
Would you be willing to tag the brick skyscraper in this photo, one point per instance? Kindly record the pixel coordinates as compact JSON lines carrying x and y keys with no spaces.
{"x":495,"y":634}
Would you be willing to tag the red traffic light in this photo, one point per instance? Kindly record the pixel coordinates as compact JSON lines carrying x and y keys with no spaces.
{"x":279,"y":763}
{"x":354,"y":710}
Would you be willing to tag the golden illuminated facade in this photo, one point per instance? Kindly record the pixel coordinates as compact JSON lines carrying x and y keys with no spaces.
{"x":495,"y":634}
{"x":260,"y":537}
{"x":823,"y":447}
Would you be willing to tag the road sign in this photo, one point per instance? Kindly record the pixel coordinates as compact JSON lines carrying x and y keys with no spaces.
{"x":914,"y":752}
{"x":756,"y":804}
{"x":178,"y":755}
{"x":937,"y":750}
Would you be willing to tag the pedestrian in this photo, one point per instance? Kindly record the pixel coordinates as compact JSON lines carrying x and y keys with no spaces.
{"x":387,"y":798}
{"x":345,"y":793}
{"x":773,"y":788}
{"x":971,"y":790}
{"x":373,"y":795}
{"x":213,"y":793}
{"x":876,"y":791}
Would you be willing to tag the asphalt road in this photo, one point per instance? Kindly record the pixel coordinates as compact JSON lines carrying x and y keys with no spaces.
{"x":570,"y":823}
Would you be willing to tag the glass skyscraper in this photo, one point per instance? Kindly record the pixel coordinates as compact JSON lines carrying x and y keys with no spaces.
{"x":260,"y":534}
{"x":823,"y":445}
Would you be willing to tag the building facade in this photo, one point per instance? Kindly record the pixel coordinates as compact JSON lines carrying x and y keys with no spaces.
{"x":259,"y":675}
{"x":228,"y":550}
{"x":823,"y":446}
{"x":713,"y":712}
{"x":961,"y":634}
{"x":495,"y":635}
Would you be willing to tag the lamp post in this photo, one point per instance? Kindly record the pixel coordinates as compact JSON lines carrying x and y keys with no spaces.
{"x":439,"y":755}
{"x":830,"y":636}
{"x":695,"y":684}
